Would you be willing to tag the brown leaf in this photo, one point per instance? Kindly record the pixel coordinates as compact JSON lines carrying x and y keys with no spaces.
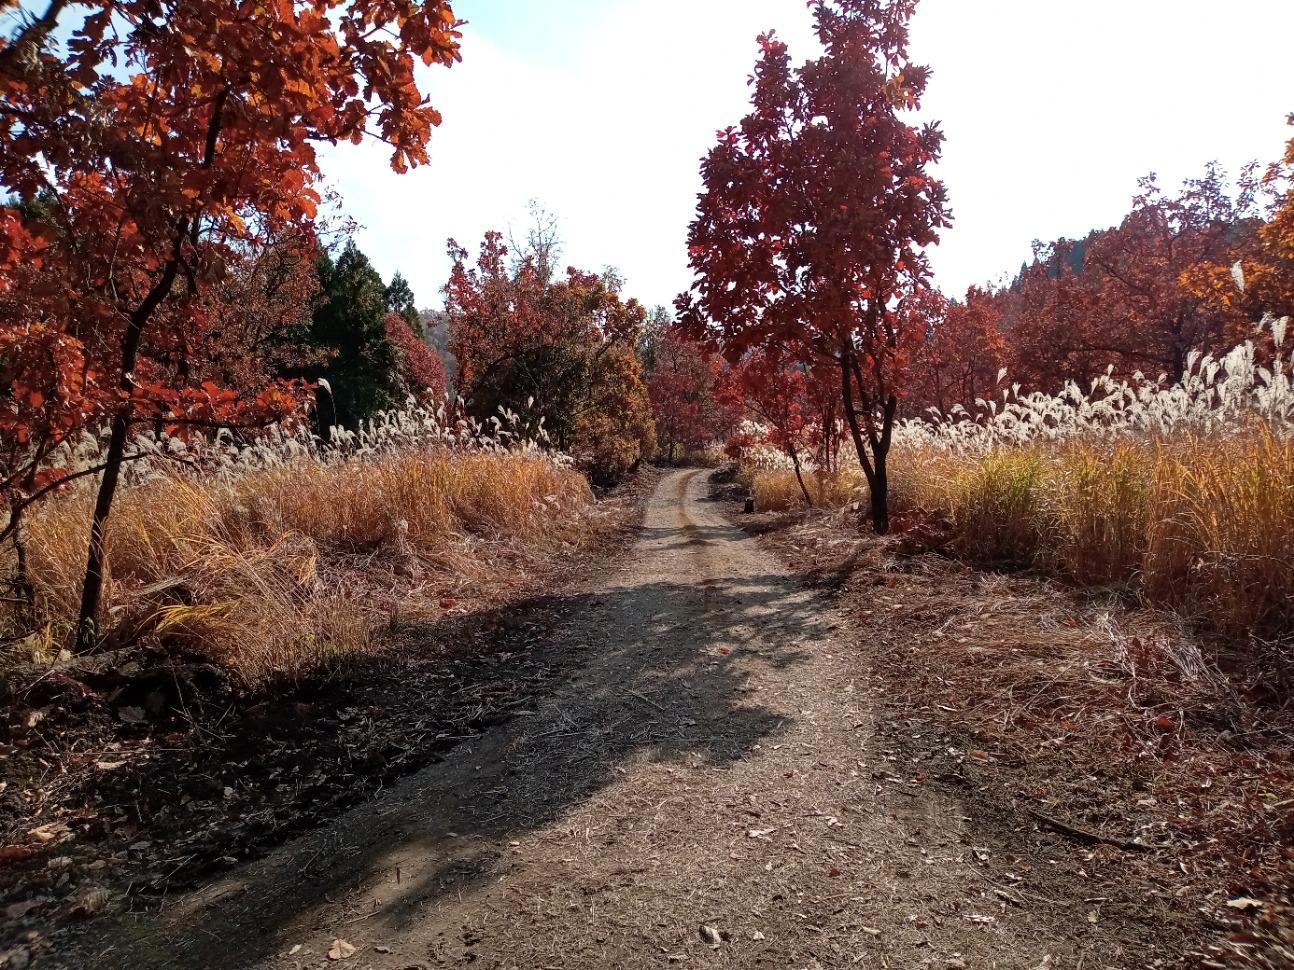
{"x":50,"y":832}
{"x":90,"y":903}
{"x":16,"y":911}
{"x":341,"y":950}
{"x":15,"y":853}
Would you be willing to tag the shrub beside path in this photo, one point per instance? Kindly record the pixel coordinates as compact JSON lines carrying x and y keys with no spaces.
{"x":709,"y":791}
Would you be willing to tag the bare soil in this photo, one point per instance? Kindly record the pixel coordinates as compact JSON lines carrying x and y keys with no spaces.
{"x":131,"y":776}
{"x":721,"y":780}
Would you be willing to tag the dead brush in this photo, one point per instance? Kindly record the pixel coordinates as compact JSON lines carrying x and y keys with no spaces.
{"x":1221,"y":543}
{"x":1097,"y":509}
{"x":778,"y":490}
{"x":1181,"y":495}
{"x":250,"y":569}
{"x":1041,"y":678}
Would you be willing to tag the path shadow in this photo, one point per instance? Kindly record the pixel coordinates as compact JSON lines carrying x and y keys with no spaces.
{"x":653,"y":672}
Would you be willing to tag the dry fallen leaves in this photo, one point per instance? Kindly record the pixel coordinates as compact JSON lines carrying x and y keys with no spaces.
{"x":50,"y":832}
{"x":1244,"y":903}
{"x":341,"y":950}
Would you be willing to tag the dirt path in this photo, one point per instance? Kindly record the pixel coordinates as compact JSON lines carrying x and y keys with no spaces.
{"x":708,"y":791}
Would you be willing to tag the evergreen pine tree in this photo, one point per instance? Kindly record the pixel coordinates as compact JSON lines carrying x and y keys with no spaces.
{"x":400,"y":299}
{"x":363,"y":369}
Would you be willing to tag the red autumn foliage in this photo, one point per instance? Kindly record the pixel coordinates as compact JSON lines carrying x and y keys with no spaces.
{"x":815,"y":216}
{"x":691,"y":402}
{"x":558,"y":353}
{"x":776,"y":394}
{"x":964,"y":352}
{"x":421,"y":370}
{"x":168,"y":139}
{"x":1122,"y":298}
{"x":1256,"y":279}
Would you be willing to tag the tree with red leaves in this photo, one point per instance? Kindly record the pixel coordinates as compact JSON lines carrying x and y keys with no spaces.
{"x":1123,"y":297}
{"x":688,"y":395}
{"x":816,"y":212}
{"x":964,"y":352}
{"x":146,"y":141}
{"x":1256,"y":278}
{"x":421,"y":370}
{"x":547,"y":349}
{"x":777,"y":394}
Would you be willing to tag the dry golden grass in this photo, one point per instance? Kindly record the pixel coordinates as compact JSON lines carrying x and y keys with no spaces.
{"x":777,"y":490}
{"x":1221,"y":536}
{"x":1203,"y":524}
{"x":240,"y":570}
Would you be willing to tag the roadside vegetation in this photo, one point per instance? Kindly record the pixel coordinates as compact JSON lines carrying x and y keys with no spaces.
{"x":1178,"y":496}
{"x":253,"y":559}
{"x":249,"y":488}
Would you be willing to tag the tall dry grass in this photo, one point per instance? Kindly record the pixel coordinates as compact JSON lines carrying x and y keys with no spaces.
{"x":1182,"y":493}
{"x":778,"y":490}
{"x":247,"y":561}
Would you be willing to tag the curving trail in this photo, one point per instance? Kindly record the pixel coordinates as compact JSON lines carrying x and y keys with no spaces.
{"x":706,"y":792}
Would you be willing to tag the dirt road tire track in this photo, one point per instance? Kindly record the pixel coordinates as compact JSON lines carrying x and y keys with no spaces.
{"x":707,"y":792}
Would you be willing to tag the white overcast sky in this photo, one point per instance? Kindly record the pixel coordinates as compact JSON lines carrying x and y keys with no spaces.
{"x":602,"y":109}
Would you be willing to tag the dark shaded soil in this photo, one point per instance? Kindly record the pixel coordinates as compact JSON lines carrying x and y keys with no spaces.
{"x":132,"y":776}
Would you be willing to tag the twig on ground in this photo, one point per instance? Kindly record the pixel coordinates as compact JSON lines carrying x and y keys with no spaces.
{"x":1089,"y":838}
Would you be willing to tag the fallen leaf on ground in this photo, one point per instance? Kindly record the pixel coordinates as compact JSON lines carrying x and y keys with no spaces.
{"x":90,"y":903}
{"x":50,"y":832}
{"x":341,"y":950}
{"x":19,"y":910}
{"x":1244,"y":903}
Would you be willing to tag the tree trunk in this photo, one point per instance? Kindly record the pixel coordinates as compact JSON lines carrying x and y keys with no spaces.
{"x":877,"y":475}
{"x":87,"y":629}
{"x":799,"y":477}
{"x":880,"y":489}
{"x":22,"y":584}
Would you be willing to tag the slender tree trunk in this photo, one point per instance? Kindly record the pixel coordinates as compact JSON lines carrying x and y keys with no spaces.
{"x":877,"y":473}
{"x":87,"y":631}
{"x":799,"y":475}
{"x":880,"y":489}
{"x":186,"y":227}
{"x":22,"y":584}
{"x":1178,"y":354}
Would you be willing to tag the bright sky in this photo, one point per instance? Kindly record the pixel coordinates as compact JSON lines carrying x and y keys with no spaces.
{"x":602,"y":109}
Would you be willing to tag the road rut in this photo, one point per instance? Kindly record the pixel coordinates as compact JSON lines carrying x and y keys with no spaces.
{"x":707,"y":791}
